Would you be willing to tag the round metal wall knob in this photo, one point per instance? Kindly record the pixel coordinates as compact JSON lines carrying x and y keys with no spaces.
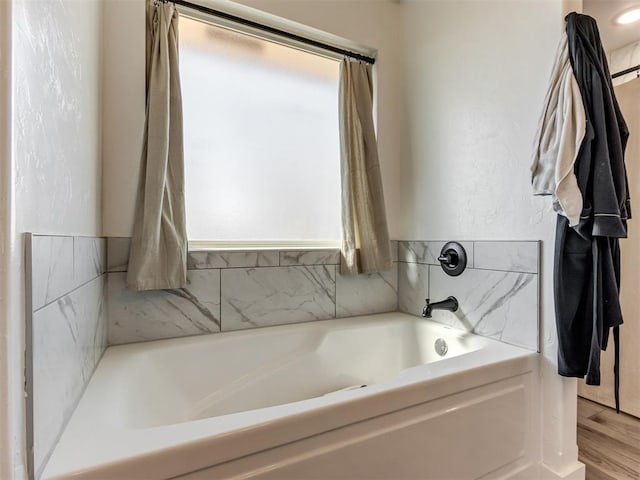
{"x":453,"y":259}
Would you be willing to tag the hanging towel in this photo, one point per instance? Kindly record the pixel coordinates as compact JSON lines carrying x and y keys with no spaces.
{"x":560,"y":133}
{"x":587,"y":257}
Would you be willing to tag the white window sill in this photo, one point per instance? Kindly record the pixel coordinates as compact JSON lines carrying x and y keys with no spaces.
{"x":208,"y":245}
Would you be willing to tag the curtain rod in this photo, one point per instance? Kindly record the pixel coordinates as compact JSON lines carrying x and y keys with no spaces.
{"x":624,"y":72}
{"x":273,"y":30}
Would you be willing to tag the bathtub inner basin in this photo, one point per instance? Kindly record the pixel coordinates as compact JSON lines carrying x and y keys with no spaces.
{"x":220,"y":374}
{"x":165,"y":408}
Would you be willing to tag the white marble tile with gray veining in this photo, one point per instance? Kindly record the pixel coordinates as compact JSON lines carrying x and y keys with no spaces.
{"x":89,"y":258}
{"x":51,"y":268}
{"x":427,"y":252}
{"x":309,"y":257}
{"x":507,"y":256}
{"x":394,"y":250}
{"x":118,"y":253}
{"x":367,"y":293}
{"x":155,"y":314}
{"x":258,"y":297}
{"x":522,"y":328}
{"x":500,"y":305}
{"x":231,"y":259}
{"x":413,"y":287}
{"x":69,"y":337}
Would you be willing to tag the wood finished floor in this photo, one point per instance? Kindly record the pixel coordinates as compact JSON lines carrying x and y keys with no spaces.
{"x":608,"y":444}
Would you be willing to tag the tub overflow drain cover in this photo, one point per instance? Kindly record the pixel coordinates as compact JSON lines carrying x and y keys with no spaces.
{"x":441,"y":347}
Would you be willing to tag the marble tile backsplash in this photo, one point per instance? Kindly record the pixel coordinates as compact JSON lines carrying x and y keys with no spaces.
{"x":66,"y":331}
{"x":79,"y":303}
{"x":367,"y":294}
{"x":497,"y":293}
{"x":257,"y":297}
{"x":413,"y":287}
{"x":157,"y":314}
{"x":427,"y":252}
{"x":234,"y":290}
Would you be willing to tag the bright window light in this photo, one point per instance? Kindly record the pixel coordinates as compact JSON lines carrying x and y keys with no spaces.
{"x":262,"y":150}
{"x":629,"y":16}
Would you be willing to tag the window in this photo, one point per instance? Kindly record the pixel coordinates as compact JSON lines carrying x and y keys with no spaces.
{"x":262,"y":152}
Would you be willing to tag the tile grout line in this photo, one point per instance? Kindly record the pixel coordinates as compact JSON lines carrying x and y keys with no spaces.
{"x":69,"y":292}
{"x":397,"y":284}
{"x":429,"y":281}
{"x":246,"y":266}
{"x":474,"y":268}
{"x":503,"y":271}
{"x":335,"y":292}
{"x":220,"y":297}
{"x":73,"y":256}
{"x":473,"y":253}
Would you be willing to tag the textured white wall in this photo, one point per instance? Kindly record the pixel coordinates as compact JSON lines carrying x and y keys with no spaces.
{"x":50,"y":180}
{"x":477,"y":72}
{"x":57,"y":117}
{"x":375,"y":23}
{"x":123,"y":113}
{"x":623,"y":58}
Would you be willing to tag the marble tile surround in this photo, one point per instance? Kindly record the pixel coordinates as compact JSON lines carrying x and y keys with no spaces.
{"x":507,"y":256}
{"x":248,"y":289}
{"x":67,"y":322}
{"x":367,"y":294}
{"x":157,"y":314}
{"x":496,"y":304}
{"x":243,"y":289}
{"x":498,"y":292}
{"x":236,"y":290}
{"x":257,"y":297}
{"x":427,"y":252}
{"x":118,"y":257}
{"x":413,"y":287}
{"x":69,"y":338}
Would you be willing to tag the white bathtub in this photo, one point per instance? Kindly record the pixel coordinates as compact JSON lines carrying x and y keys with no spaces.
{"x":270,"y":403}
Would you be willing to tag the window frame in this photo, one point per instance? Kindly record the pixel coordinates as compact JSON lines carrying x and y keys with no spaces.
{"x":280,"y":23}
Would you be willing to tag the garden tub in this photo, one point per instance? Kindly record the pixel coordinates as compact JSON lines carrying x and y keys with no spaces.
{"x":378,"y":396}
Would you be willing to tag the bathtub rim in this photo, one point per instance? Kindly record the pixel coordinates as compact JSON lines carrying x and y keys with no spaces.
{"x":282,"y":425}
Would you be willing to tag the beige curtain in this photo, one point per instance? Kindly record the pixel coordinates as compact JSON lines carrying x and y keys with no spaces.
{"x":365,"y":237}
{"x":158,"y":257}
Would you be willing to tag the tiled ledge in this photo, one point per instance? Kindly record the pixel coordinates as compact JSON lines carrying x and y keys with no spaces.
{"x":507,"y":256}
{"x":118,"y":257}
{"x":238,"y":289}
